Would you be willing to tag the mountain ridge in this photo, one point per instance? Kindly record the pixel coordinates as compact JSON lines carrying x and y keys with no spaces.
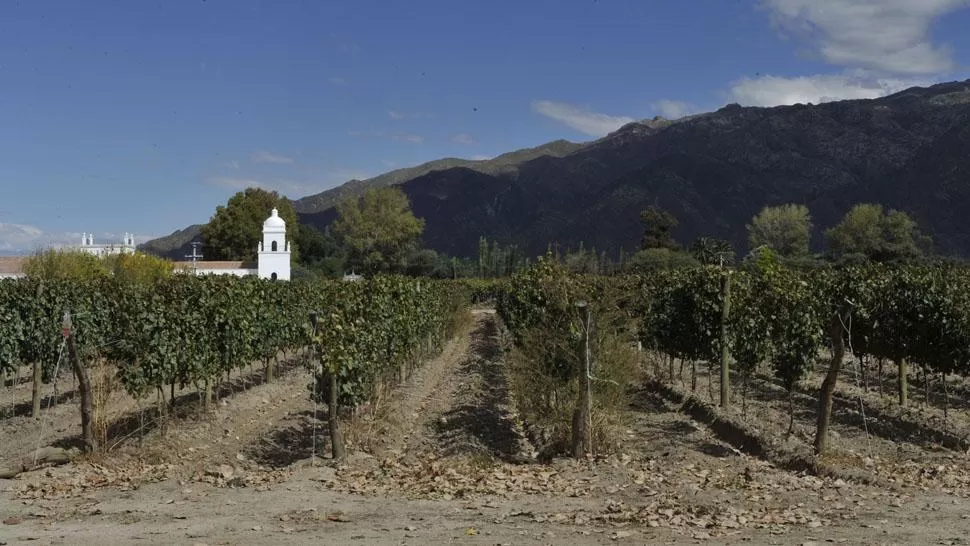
{"x":713,"y":171}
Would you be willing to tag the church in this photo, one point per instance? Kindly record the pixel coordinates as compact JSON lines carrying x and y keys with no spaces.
{"x":272,"y":256}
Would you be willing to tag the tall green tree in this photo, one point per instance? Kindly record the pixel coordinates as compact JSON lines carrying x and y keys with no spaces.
{"x":867,"y":232}
{"x":234,"y":231}
{"x":378,"y":230}
{"x":319,"y":252}
{"x":786,"y":229}
{"x":658,"y":226}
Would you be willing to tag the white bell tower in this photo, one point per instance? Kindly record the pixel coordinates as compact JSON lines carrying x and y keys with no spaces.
{"x":274,"y":250}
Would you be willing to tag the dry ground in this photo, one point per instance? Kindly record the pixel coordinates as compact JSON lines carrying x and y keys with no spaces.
{"x":443,"y":459}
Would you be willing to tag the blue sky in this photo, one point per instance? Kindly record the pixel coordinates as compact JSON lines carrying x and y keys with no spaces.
{"x":123,"y":115}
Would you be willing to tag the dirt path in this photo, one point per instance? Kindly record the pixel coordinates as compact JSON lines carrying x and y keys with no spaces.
{"x":448,"y":463}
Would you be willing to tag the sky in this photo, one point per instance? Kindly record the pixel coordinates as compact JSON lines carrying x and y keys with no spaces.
{"x":142,"y":116}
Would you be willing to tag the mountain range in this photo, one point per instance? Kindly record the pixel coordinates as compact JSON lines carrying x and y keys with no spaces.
{"x":712,"y":171}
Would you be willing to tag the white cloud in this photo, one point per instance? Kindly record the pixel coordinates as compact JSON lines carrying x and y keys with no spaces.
{"x":26,"y":239}
{"x":582,"y":119}
{"x":403,"y":137}
{"x":336,"y":80}
{"x":673,"y":109}
{"x":232,"y":183}
{"x":394,"y":114}
{"x":400,"y":137}
{"x":481,"y":157}
{"x":263,"y":156}
{"x":776,"y":90}
{"x":888,"y":36}
{"x":463,"y":138}
{"x":290,"y":188}
{"x":388,"y":162}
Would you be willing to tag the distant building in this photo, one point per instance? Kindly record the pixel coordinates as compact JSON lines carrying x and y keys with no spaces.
{"x":238,"y":269}
{"x":125,"y":247}
{"x":272,"y":256}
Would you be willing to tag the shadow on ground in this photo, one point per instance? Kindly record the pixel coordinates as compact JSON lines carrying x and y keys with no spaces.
{"x":480,"y":422}
{"x":138,"y":423}
{"x":296,"y":439}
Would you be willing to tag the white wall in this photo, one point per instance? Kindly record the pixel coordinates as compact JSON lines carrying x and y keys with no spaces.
{"x":274,"y":262}
{"x":234,"y":272}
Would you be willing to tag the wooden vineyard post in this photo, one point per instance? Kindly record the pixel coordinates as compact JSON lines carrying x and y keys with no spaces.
{"x":824,"y":413}
{"x":84,"y":384}
{"x":38,"y":372}
{"x":725,"y":350}
{"x":35,"y":393}
{"x":582,"y":418}
{"x":336,"y":437}
{"x":902,"y":383}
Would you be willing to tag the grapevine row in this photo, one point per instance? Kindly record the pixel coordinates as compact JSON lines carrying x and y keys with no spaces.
{"x":188,"y":330}
{"x":767,"y":314}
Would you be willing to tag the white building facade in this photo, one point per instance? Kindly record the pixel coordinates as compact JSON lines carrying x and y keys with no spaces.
{"x":273,"y":253}
{"x":88,"y":245}
{"x":272,"y":256}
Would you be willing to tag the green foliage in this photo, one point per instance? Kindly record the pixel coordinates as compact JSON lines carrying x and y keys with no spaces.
{"x":426,"y":263}
{"x":657,"y":259}
{"x":319,"y":252}
{"x":190,"y":330}
{"x":11,"y":326}
{"x":55,"y":264}
{"x":712,"y":251}
{"x":137,"y":267}
{"x":658,"y":226}
{"x":378,"y":230}
{"x":868,"y":233}
{"x":236,"y":228}
{"x":683,"y":315}
{"x":786,"y":229}
{"x":541,"y":306}
{"x":496,"y":260}
{"x":377,"y":329}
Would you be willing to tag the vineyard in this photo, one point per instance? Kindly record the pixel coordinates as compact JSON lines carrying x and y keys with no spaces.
{"x":757,"y":401}
{"x":189,"y":331}
{"x":772,"y":338}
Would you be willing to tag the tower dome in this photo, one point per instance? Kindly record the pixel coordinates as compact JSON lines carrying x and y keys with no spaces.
{"x":274,"y":221}
{"x":273,"y":253}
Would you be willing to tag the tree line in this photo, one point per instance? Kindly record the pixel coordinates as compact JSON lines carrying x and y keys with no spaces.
{"x":378,"y":233}
{"x":867,"y":233}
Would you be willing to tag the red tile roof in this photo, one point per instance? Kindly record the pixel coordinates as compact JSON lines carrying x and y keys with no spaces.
{"x":216,"y":265}
{"x":12,"y":265}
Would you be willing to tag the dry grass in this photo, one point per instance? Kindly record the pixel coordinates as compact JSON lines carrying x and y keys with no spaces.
{"x":104,"y":382}
{"x":547,"y":400}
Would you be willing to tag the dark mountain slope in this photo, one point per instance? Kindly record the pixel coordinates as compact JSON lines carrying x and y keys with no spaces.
{"x":174,"y":246}
{"x":503,"y":164}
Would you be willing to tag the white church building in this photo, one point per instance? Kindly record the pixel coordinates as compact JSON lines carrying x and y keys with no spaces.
{"x":126,"y":247}
{"x":272,"y":256}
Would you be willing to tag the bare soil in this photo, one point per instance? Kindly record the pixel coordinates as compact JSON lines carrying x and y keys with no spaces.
{"x":444,"y":458}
